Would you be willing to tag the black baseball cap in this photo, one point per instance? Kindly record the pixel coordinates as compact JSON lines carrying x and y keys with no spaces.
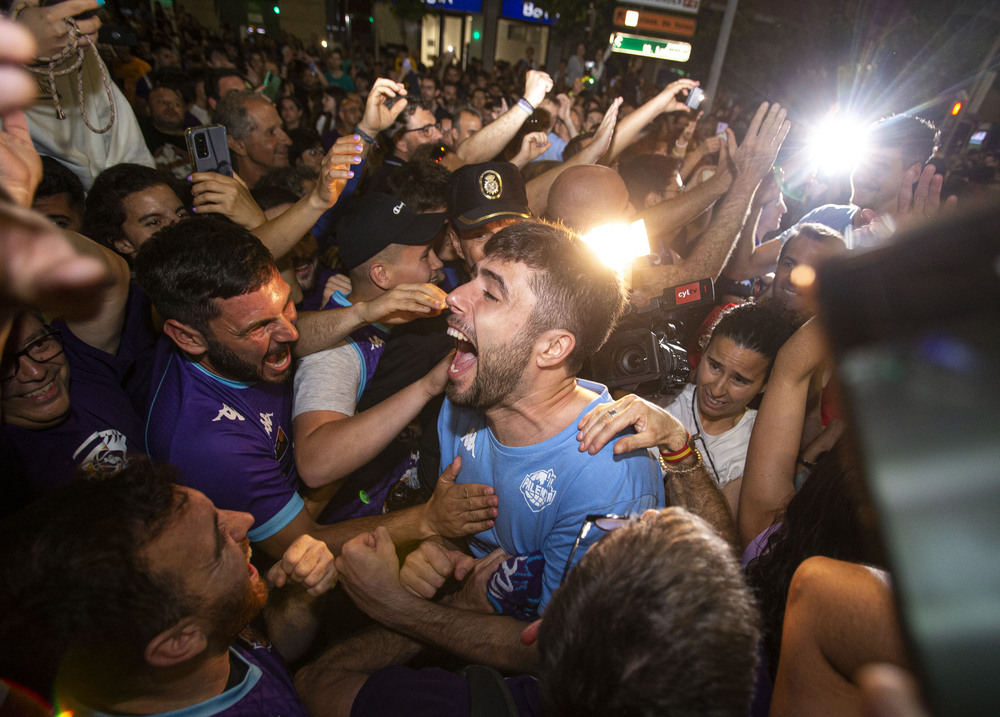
{"x":485,"y":192}
{"x":377,"y":220}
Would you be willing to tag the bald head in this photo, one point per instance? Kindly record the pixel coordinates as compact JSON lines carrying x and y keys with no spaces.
{"x":587,"y":196}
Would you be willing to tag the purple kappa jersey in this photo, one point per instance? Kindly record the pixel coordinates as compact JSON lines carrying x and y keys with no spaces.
{"x":265,"y":688}
{"x":231,"y":440}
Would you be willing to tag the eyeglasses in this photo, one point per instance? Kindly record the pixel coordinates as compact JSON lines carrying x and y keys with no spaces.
{"x":607,"y":523}
{"x":427,"y":130}
{"x":41,"y":350}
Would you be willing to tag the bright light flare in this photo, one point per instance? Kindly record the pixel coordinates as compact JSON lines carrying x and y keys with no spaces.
{"x":837,"y":143}
{"x":631,"y":18}
{"x":618,"y":245}
{"x":323,"y":43}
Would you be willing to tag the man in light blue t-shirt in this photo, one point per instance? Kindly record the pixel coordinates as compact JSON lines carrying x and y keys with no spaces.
{"x":539,"y":302}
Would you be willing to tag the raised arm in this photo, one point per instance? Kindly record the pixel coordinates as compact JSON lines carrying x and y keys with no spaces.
{"x":777,"y":432}
{"x":636,"y":121}
{"x":319,"y":330}
{"x":751,"y":161}
{"x":488,"y":142}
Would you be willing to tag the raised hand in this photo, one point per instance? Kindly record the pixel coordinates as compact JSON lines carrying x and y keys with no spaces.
{"x":755,"y":157}
{"x":378,"y":115}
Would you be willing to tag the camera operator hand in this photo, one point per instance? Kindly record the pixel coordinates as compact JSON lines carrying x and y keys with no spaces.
{"x":653,"y":427}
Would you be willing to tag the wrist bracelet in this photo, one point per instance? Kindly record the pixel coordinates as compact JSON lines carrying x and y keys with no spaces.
{"x":673,"y":468}
{"x":365,"y":137}
{"x":526,"y":106}
{"x":678,"y":143}
{"x":678,"y":455}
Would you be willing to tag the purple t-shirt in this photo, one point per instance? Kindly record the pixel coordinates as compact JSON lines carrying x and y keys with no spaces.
{"x":103,"y":425}
{"x":265,"y":687}
{"x":432,"y":692}
{"x":231,"y":440}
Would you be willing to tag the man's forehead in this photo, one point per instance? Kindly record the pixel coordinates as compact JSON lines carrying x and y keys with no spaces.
{"x":420,"y":118}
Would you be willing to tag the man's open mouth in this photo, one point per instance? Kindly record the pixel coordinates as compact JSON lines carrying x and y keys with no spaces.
{"x":467,"y":353}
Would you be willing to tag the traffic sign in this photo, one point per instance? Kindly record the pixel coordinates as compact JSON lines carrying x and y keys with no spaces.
{"x":673,"y":50}
{"x":688,"y":6}
{"x":655,"y":22}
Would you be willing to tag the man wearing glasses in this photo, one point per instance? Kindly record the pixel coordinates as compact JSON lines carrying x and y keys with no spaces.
{"x":53,"y":425}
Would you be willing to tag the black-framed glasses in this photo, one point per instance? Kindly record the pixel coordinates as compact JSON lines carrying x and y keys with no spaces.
{"x":607,"y":523}
{"x":427,"y":130}
{"x":40,"y":350}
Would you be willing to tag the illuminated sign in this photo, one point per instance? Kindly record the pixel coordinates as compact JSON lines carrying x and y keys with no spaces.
{"x":661,"y":49}
{"x":527,"y":10}
{"x":655,"y":22}
{"x":688,"y":6}
{"x":455,"y":5}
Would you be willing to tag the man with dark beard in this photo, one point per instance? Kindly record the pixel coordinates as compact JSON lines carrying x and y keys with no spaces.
{"x":132,"y":595}
{"x":221,"y":398}
{"x":540,"y":301}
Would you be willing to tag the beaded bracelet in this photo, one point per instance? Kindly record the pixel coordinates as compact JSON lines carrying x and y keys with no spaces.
{"x":366,"y":137}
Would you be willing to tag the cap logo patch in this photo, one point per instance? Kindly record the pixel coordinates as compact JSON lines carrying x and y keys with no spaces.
{"x":398,"y":208}
{"x":490,"y":184}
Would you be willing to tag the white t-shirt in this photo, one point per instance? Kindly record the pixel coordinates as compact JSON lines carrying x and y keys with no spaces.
{"x":725,"y":454}
{"x":328,"y":381}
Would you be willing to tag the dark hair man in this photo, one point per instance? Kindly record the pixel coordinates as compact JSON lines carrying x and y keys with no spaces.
{"x":60,"y":195}
{"x":256,"y":139}
{"x":219,"y":82}
{"x":540,"y":301}
{"x":221,"y":399}
{"x":128,"y":204}
{"x":132,"y":595}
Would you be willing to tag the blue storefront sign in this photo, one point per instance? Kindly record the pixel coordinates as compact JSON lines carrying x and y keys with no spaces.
{"x":455,"y":5}
{"x":528,"y":10}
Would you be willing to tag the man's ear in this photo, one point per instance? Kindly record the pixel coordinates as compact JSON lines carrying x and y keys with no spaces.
{"x":652,"y":199}
{"x":124,"y":247}
{"x":187,"y":339}
{"x":176,"y":645}
{"x":236,"y":146}
{"x":456,"y":244}
{"x":553,"y":347}
{"x":381,"y":276}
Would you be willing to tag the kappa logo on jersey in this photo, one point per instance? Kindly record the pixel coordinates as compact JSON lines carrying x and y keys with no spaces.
{"x":226,"y":412}
{"x":537,"y":489}
{"x":469,"y":441}
{"x":280,"y":444}
{"x":265,"y":419}
{"x":377,"y":341}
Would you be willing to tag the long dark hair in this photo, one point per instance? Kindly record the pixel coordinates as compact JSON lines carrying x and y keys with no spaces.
{"x":829,"y":516}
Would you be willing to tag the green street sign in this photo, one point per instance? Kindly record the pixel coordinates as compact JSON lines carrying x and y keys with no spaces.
{"x":659,"y":48}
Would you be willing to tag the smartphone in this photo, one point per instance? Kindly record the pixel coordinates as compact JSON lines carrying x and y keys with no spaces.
{"x":721,"y":128}
{"x":915,"y":333}
{"x":272,"y":86}
{"x":695,"y":97}
{"x":209,"y":150}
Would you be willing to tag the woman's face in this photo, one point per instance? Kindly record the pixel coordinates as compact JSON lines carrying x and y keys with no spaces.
{"x":728,"y":378}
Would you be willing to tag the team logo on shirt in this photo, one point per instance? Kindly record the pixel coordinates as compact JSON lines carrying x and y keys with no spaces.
{"x":103,"y":453}
{"x":469,"y":441}
{"x":280,"y":444}
{"x":376,"y":341}
{"x":226,"y":412}
{"x":537,"y":489}
{"x":265,"y":419}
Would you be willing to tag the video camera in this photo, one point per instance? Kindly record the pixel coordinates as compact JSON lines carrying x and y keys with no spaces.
{"x":645,"y":354}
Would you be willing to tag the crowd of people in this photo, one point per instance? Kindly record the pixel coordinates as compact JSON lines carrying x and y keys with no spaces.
{"x":310,"y":435}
